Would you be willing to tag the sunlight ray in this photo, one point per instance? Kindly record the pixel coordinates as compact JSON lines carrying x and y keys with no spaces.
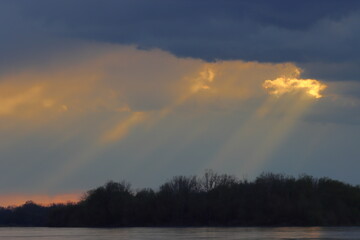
{"x":262,"y":133}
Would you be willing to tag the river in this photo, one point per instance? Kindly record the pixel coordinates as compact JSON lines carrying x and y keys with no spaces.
{"x":180,"y":233}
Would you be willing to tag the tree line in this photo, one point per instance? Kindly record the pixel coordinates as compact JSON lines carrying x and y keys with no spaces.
{"x":210,"y":200}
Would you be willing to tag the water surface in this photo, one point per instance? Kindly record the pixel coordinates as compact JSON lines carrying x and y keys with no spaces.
{"x":180,"y":233}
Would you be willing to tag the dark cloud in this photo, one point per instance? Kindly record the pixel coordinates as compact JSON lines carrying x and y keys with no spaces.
{"x":280,"y":13}
{"x":345,"y":71}
{"x":271,"y":31}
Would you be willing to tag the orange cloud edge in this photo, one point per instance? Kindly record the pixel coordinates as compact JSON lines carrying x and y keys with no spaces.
{"x":7,"y":200}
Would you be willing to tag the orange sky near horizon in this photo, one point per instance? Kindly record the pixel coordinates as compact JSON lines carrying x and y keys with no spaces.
{"x":42,"y":199}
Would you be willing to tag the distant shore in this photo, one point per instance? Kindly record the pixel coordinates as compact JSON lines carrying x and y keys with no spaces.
{"x":212,"y":200}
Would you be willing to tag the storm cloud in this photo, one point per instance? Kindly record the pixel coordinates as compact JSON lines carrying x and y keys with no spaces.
{"x":270,"y":31}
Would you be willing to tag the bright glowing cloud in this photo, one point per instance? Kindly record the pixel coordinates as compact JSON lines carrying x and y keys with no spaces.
{"x":282,"y":85}
{"x":22,"y":99}
{"x":114,"y":78}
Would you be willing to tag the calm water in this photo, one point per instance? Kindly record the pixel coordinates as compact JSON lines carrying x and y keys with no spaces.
{"x":179,"y":233}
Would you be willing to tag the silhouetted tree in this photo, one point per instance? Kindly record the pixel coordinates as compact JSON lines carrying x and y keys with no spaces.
{"x":210,"y":200}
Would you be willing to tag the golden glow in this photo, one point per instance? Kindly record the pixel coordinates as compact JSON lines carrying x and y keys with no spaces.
{"x":282,"y":85}
{"x":106,"y":97}
{"x":10,"y":104}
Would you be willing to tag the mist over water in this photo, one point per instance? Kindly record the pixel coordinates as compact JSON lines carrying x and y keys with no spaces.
{"x":180,"y":233}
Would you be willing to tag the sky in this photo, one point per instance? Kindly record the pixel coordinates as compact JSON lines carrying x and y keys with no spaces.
{"x":138,"y":90}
